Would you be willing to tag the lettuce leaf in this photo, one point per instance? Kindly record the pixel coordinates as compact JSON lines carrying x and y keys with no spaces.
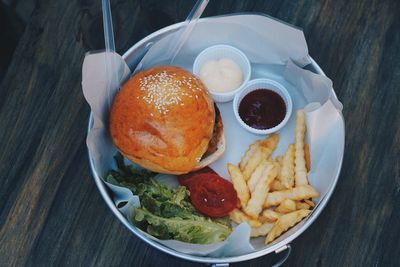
{"x":167,"y":213}
{"x":189,"y":230}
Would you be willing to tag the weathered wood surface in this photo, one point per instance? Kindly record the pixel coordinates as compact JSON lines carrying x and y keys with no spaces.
{"x":50,"y":210}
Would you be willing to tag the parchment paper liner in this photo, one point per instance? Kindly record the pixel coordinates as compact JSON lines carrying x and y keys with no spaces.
{"x":273,"y":48}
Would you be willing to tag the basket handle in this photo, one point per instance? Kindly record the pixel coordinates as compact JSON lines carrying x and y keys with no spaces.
{"x":287,"y":248}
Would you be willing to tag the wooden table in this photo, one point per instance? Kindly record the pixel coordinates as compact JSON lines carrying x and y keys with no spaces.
{"x":51,"y":212}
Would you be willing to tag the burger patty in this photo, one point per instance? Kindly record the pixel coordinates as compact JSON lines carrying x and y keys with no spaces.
{"x":217,"y":133}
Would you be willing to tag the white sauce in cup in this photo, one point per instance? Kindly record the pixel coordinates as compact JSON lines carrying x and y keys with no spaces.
{"x":222,"y":75}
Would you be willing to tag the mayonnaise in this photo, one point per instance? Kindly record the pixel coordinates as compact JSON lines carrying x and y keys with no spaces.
{"x":222,"y":75}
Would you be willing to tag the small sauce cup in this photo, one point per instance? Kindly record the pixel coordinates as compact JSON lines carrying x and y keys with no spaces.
{"x":218,"y":52}
{"x":267,"y":84}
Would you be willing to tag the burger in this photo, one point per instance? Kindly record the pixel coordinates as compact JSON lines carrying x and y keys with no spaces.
{"x":164,"y":120}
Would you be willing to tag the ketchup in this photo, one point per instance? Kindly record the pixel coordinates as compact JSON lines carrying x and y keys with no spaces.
{"x":262,"y":109}
{"x":210,"y":194}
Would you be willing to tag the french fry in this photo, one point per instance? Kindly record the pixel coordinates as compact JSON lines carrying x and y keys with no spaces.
{"x":248,"y":155}
{"x":309,"y":202}
{"x":295,"y":193}
{"x":264,"y":151}
{"x":263,"y":230}
{"x":286,"y":206}
{"x":302,"y":206}
{"x":239,"y":184}
{"x":256,"y":175}
{"x":238,"y":217}
{"x":257,"y":199}
{"x":307,"y":157}
{"x":287,"y":172}
{"x":268,"y":145}
{"x":284,"y":223}
{"x":269,"y":216}
{"x":279,"y":159}
{"x":252,"y":164}
{"x":276,"y":185}
{"x":277,"y":166}
{"x":300,"y":163}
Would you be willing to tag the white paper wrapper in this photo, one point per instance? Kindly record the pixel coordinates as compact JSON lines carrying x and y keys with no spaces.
{"x":272,"y":48}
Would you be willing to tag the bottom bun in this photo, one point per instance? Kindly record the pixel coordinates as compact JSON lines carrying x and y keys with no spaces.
{"x":214,"y":156}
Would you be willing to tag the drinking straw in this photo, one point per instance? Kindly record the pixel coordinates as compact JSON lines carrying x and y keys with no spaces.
{"x":110,"y":60}
{"x":190,"y":22}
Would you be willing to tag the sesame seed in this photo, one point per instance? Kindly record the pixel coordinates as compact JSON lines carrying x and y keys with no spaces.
{"x":164,"y":91}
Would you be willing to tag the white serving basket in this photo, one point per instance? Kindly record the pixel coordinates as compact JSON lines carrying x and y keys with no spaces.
{"x":330,"y":162}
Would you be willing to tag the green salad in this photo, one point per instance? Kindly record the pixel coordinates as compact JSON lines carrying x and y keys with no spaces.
{"x":167,"y":213}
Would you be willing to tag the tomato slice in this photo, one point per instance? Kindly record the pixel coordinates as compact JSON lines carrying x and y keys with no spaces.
{"x":186,"y":179}
{"x":212,"y":195}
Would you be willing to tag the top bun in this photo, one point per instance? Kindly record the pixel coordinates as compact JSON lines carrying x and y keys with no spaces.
{"x":162,"y":119}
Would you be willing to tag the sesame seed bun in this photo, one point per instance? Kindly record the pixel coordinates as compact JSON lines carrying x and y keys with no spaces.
{"x":163,"y":120}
